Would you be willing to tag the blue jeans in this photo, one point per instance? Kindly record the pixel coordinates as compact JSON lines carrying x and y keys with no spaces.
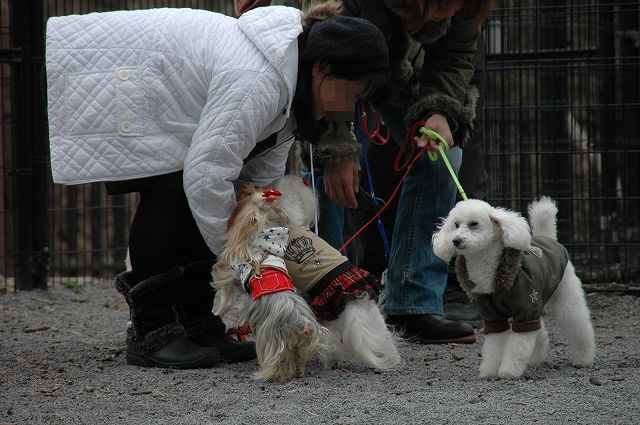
{"x":416,"y":278}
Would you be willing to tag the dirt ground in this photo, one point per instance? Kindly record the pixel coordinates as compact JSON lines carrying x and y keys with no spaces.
{"x":62,"y":362}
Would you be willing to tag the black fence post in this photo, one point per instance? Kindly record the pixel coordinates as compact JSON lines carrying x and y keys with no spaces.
{"x":629,"y":39}
{"x":30,"y":146}
{"x":554,"y":168}
{"x":607,"y":137}
{"x":97,"y":230}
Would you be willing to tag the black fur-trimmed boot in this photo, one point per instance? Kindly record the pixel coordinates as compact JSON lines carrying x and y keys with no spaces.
{"x":156,"y":336}
{"x":201,"y":325}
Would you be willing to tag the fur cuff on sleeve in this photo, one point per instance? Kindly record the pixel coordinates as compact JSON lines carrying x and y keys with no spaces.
{"x":337,"y":144}
{"x":337,"y":153}
{"x":461,"y":114}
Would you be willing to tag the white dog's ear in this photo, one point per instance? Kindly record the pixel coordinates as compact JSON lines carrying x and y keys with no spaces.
{"x":515,"y":230}
{"x":441,"y":242}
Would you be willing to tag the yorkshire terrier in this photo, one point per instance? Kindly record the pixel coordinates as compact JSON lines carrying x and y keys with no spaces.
{"x":285,"y":328}
{"x":343,"y":297}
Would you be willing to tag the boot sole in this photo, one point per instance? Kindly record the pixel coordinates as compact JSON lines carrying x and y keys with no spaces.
{"x":238,"y":359}
{"x":140,"y":359}
{"x":477,"y":324}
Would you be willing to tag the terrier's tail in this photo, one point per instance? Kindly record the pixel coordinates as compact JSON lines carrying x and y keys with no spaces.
{"x":542,"y":217}
{"x":366,"y":335}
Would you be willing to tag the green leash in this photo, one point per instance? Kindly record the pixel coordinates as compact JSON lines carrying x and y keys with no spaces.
{"x":443,"y":146}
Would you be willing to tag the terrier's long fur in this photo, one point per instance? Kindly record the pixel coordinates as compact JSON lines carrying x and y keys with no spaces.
{"x":360,"y":328}
{"x":489,"y":244}
{"x":285,"y":328}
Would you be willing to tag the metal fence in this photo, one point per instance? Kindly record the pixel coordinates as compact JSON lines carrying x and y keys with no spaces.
{"x":561,"y":112}
{"x":51,"y":233}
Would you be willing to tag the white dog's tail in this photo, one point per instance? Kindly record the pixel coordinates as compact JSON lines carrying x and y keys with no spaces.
{"x":542,"y":217}
{"x":366,"y":335}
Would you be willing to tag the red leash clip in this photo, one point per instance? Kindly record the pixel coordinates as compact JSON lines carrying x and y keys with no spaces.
{"x":376,"y":137}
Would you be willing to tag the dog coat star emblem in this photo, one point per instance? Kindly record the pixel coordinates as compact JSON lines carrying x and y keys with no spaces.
{"x":534,"y":296}
{"x":535,"y":251}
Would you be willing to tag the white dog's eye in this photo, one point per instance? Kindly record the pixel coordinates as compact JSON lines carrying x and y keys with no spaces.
{"x":456,"y":224}
{"x":473,"y":224}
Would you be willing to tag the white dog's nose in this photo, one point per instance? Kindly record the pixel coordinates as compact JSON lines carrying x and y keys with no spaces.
{"x":456,"y":242}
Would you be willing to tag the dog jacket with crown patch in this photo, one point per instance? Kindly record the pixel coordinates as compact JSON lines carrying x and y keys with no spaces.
{"x":525,"y":280}
{"x":328,"y":278}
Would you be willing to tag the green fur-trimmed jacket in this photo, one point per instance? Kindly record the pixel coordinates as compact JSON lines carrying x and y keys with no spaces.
{"x":525,"y":280}
{"x":431,"y":68}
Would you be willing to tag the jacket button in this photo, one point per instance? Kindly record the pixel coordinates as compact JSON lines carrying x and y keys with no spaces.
{"x":124,"y":74}
{"x":126,"y":126}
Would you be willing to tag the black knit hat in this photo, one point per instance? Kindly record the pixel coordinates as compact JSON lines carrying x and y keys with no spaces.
{"x":352,"y":46}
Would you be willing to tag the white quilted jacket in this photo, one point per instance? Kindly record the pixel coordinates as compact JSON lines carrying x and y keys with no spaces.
{"x":142,"y":93}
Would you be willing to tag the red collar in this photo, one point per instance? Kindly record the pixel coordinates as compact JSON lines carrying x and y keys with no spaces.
{"x":269,"y":281}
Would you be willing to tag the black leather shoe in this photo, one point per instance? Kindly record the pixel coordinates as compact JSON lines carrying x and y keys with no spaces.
{"x":463,"y":312}
{"x":432,"y":329}
{"x":230,"y":350}
{"x":180,"y":354}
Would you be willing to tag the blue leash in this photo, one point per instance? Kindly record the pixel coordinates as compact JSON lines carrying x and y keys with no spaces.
{"x":374,"y":199}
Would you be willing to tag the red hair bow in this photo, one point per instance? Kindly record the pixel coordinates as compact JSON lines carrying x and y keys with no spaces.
{"x":270,"y":194}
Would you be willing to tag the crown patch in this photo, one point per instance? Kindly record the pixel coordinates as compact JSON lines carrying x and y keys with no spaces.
{"x":299,"y":249}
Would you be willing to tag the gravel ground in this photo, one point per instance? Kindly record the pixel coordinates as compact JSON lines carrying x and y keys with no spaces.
{"x":62,"y":362}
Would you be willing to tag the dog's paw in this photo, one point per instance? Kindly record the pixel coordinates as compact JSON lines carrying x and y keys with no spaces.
{"x":509,"y":375}
{"x":488,"y":375}
{"x":581,"y":361}
{"x":510,"y":372}
{"x":331,"y":364}
{"x":488,"y":372}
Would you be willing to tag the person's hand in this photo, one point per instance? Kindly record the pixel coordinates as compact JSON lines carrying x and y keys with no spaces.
{"x":439,"y":124}
{"x":341,"y":182}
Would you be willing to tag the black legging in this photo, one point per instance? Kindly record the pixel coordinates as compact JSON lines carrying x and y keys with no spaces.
{"x":367,"y":250}
{"x":163,"y":233}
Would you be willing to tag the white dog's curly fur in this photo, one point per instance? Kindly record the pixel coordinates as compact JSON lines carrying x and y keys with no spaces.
{"x":480,"y":235}
{"x":360,"y":328}
{"x":285,"y":328}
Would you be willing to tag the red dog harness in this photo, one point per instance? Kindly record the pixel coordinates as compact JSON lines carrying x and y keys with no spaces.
{"x":269,"y":281}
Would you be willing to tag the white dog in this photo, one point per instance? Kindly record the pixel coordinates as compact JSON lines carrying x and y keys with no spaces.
{"x":512,"y":276}
{"x":342,"y":296}
{"x":285,"y":328}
